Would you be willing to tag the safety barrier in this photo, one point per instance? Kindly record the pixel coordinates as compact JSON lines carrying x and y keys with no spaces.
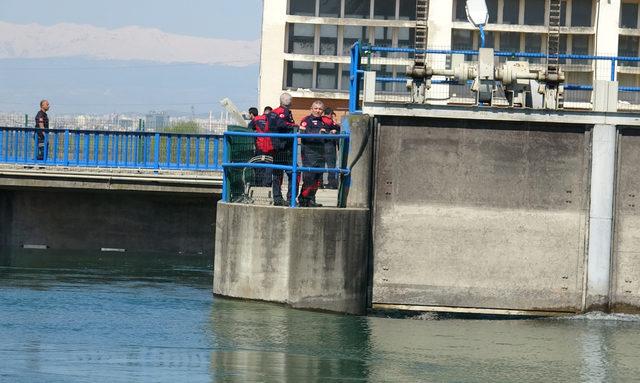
{"x":245,"y":170}
{"x":110,"y":149}
{"x":391,"y":88}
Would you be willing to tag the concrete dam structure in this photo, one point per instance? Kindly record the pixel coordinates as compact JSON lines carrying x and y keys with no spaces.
{"x":504,"y":215}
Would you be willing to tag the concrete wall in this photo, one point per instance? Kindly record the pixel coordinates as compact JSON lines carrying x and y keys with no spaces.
{"x":480,"y":214}
{"x":83,"y":220}
{"x":307,"y":258}
{"x":625,"y":281}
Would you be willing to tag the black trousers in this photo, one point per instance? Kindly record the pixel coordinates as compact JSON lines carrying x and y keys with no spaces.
{"x":330,"y":149}
{"x":313,"y":157}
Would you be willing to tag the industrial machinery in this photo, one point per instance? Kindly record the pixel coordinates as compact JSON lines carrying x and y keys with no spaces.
{"x":517,"y":84}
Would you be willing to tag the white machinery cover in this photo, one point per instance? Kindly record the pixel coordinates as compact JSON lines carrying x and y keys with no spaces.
{"x":477,"y":12}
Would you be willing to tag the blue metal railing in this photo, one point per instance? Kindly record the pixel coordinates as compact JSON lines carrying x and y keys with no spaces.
{"x":110,"y":149}
{"x":358,"y":51}
{"x":294,"y":167}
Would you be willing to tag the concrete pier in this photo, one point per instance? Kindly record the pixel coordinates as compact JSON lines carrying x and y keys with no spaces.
{"x":306,"y":258}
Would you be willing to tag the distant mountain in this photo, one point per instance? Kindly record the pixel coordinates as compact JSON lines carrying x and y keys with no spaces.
{"x":82,"y":85}
{"x":87,"y":69}
{"x":33,"y":41}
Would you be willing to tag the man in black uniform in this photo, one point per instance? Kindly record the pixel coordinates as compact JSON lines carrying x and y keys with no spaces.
{"x":42,"y":123}
{"x":281,"y":121}
{"x":312,"y":154}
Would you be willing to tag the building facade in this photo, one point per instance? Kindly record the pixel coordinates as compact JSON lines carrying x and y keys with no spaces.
{"x":305,"y":43}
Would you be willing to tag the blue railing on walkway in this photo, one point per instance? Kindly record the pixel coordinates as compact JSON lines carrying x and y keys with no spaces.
{"x":110,"y":149}
{"x":359,"y":50}
{"x":293,"y":165}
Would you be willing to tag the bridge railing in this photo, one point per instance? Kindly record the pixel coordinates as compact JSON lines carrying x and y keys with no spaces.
{"x":250,"y":175}
{"x":580,"y":71}
{"x":110,"y":149}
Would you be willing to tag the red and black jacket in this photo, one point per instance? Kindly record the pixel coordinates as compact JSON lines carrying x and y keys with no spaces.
{"x":261,"y":125}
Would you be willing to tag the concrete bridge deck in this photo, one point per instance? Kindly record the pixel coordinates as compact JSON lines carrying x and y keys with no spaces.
{"x":96,"y":178}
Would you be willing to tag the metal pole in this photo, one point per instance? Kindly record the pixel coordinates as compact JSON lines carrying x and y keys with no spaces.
{"x":294,"y":172}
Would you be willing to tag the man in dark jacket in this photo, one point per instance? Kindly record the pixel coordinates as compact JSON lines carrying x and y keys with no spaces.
{"x":264,"y":145}
{"x":281,"y":121}
{"x":312,"y":154}
{"x":42,"y":124}
{"x":330,"y":147}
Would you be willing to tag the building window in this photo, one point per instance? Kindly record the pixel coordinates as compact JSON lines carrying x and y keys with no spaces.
{"x":299,"y":74}
{"x":628,"y":46}
{"x":510,"y":12}
{"x":330,"y":8}
{"x":533,"y":44}
{"x":407,"y":9}
{"x":563,"y":48}
{"x":384,"y":9}
{"x":461,"y":39}
{"x":534,"y":12}
{"x":489,"y":40}
{"x":383,"y":38}
{"x":346,"y":77}
{"x":406,"y":37}
{"x":327,"y":77}
{"x":580,"y":46}
{"x":563,"y":13}
{"x":351,"y":35}
{"x":328,"y":40}
{"x":581,"y":13}
{"x":492,"y":7}
{"x":461,"y":13}
{"x":302,"y":7}
{"x":383,"y":71}
{"x":301,"y":38}
{"x":509,"y":42}
{"x":357,"y":9}
{"x":629,"y":15}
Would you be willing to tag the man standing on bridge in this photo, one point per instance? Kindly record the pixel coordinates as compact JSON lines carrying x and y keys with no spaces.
{"x":281,"y":121}
{"x":312,"y":154}
{"x":42,"y":123}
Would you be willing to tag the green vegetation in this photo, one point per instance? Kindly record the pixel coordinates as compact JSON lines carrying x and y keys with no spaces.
{"x":184,"y":127}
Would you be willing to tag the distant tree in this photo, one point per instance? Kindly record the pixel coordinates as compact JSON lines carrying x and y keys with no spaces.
{"x":184,"y":127}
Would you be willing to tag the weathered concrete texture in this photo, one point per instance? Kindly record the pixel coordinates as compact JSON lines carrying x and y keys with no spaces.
{"x":625,"y":280}
{"x":480,"y":214}
{"x":307,"y":258}
{"x":75,"y":220}
{"x":361,"y":143}
{"x":5,"y":219}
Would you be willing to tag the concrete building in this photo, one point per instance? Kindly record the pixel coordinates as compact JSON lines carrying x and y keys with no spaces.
{"x":155,"y":121}
{"x":305,"y":43}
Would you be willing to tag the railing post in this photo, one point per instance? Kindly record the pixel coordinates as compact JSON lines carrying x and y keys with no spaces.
{"x":613,"y":69}
{"x":353,"y":77}
{"x":66,"y":147}
{"x":294,"y":172}
{"x":156,"y":151}
{"x":225,"y":159}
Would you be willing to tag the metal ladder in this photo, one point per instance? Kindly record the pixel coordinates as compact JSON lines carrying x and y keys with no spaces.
{"x":553,"y":42}
{"x":422,"y":14}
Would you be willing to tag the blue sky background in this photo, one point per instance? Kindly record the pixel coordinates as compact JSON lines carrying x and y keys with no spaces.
{"x":110,"y":86}
{"x":232,"y":19}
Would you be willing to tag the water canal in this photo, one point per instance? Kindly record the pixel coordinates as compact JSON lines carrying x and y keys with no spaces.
{"x":150,"y":318}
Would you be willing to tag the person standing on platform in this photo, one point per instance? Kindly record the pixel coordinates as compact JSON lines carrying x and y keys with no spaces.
{"x":312,"y":154}
{"x":42,"y":124}
{"x":330,"y":148}
{"x":264,"y":145}
{"x":281,"y":121}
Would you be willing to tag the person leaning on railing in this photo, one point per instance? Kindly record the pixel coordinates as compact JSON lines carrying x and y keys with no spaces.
{"x":42,"y":123}
{"x":264,"y":145}
{"x":281,"y":121}
{"x":312,"y":154}
{"x":330,"y":147}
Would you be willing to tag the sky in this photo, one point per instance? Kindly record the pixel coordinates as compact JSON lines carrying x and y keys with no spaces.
{"x":121,"y":56}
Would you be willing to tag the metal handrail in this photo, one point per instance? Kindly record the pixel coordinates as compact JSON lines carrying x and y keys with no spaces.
{"x":294,"y":168}
{"x":111,"y":149}
{"x":358,"y":50}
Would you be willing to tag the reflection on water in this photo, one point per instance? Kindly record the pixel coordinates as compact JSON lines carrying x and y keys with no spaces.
{"x":150,"y":318}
